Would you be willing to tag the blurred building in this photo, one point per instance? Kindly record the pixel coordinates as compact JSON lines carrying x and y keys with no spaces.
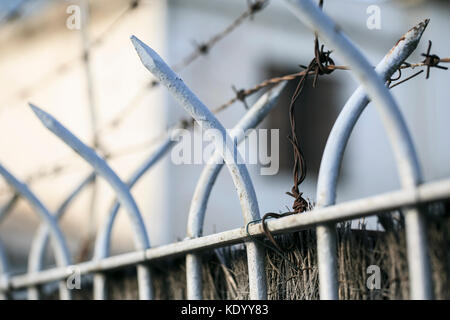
{"x":272,"y":43}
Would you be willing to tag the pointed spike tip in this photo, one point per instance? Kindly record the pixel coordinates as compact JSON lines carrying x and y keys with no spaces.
{"x":38,"y":111}
{"x":34,"y":107}
{"x":43,"y":116}
{"x":417,"y":31}
{"x":148,"y":56}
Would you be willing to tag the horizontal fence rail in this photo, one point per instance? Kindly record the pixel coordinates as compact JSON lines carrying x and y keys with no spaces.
{"x":425,"y":193}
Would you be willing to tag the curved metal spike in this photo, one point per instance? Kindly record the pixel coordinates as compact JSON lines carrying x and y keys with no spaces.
{"x":239,"y":173}
{"x":206,"y":182}
{"x":405,"y":155}
{"x":340,"y":133}
{"x":345,"y":122}
{"x":103,"y":240}
{"x":62,"y":254}
{"x":123,"y":193}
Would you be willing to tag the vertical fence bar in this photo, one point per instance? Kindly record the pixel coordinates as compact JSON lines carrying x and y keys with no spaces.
{"x":103,"y":240}
{"x":241,"y":178}
{"x":408,"y":165}
{"x":85,"y":17}
{"x":4,"y":272}
{"x":88,"y":69}
{"x":59,"y":242}
{"x":206,"y":182}
{"x":123,"y":193}
{"x":327,"y":260}
{"x":420,"y":279}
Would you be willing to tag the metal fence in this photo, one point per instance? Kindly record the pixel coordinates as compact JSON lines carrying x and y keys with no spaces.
{"x":323,"y":217}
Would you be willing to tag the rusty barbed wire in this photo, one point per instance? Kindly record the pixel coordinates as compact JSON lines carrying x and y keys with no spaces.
{"x":399,"y":71}
{"x":244,"y":93}
{"x":275,"y":247}
{"x":188,"y":123}
{"x":431,"y":60}
{"x":318,"y":66}
{"x":58,"y":168}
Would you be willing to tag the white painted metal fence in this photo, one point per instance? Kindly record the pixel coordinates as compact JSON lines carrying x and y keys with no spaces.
{"x":324,"y":217}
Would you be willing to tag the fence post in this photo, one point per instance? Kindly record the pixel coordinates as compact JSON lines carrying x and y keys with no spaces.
{"x":405,"y":155}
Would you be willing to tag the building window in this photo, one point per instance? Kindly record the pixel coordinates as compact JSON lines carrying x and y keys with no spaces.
{"x":316,"y":109}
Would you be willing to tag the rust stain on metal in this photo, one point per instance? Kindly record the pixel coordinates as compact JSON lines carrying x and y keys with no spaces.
{"x":416,"y":30}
